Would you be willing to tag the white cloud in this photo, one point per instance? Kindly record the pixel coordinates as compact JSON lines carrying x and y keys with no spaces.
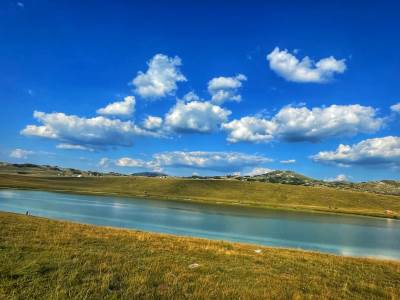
{"x":291,"y":68}
{"x":20,"y":153}
{"x":296,"y":124}
{"x":301,"y":123}
{"x":40,"y":131}
{"x":259,"y":171}
{"x":160,"y":78}
{"x":97,"y":132}
{"x":121,"y":108}
{"x":225,"y":88}
{"x":152,"y":123}
{"x":104,"y":162}
{"x":250,"y":129}
{"x":395,"y":107}
{"x":130,"y":162}
{"x":66,"y":146}
{"x":196,"y":116}
{"x":288,"y":161}
{"x":191,"y":96}
{"x":215,"y":161}
{"x":383,"y":151}
{"x":218,"y":161}
{"x":338,"y":178}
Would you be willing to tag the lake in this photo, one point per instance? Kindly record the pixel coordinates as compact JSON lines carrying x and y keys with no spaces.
{"x":338,"y":234}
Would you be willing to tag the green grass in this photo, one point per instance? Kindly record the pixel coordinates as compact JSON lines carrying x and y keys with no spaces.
{"x":44,"y":259}
{"x":225,"y":192}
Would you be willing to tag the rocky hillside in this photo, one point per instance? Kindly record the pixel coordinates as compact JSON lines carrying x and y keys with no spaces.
{"x":284,"y":177}
{"x":46,"y":170}
{"x":387,"y":187}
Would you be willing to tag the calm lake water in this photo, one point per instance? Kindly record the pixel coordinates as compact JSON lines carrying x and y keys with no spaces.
{"x":344,"y":235}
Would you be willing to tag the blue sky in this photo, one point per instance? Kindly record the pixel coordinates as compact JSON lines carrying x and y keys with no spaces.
{"x":94,"y":72}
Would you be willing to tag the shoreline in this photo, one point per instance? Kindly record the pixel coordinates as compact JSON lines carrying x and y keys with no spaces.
{"x":356,"y":251}
{"x":234,"y":243}
{"x":212,"y":202}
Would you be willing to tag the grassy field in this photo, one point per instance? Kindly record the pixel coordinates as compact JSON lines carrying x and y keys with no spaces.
{"x":44,"y":259}
{"x":226,"y":192}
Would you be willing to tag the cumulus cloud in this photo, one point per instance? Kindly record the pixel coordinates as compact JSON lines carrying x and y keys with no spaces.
{"x":215,"y":161}
{"x":225,"y":88}
{"x":160,"y":78}
{"x":291,"y":68}
{"x":383,"y":151}
{"x":136,"y":163}
{"x":288,"y":161}
{"x":121,"y":108}
{"x":258,"y":171}
{"x":218,"y":161}
{"x":196,"y":116}
{"x":152,"y":123}
{"x":97,"y":132}
{"x":295,"y":124}
{"x":20,"y":153}
{"x":301,"y":123}
{"x":338,"y":178}
{"x":395,"y":107}
{"x":191,"y":96}
{"x":250,"y":129}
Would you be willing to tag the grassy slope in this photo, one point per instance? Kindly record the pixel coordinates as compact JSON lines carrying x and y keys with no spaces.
{"x":46,"y":259}
{"x":218,"y":191}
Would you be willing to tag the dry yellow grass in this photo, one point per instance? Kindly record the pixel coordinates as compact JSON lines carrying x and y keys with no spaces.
{"x":44,"y":259}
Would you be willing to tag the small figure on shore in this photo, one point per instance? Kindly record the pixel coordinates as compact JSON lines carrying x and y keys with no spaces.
{"x":27,"y":213}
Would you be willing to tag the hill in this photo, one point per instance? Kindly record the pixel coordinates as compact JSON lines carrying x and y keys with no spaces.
{"x":222,"y":192}
{"x":283,"y":177}
{"x":46,"y":170}
{"x":386,"y":187}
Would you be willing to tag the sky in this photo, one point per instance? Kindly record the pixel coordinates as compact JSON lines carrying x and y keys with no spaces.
{"x":206,"y":88}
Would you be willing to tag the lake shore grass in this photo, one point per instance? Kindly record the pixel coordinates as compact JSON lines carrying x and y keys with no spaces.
{"x":219,"y":192}
{"x":46,"y":259}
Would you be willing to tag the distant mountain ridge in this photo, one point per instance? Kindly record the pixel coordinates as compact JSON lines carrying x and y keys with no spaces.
{"x":47,"y":170}
{"x":389,"y":187}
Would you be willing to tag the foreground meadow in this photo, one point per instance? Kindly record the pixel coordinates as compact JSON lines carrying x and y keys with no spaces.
{"x":45,"y":259}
